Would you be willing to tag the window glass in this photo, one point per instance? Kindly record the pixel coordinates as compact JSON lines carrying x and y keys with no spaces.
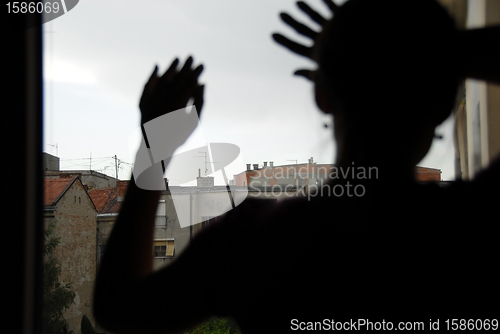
{"x":97,"y":58}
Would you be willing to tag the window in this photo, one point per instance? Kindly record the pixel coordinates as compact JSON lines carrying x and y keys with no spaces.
{"x":161,"y":221}
{"x":164,"y":248}
{"x":86,"y":97}
{"x":160,"y":249}
{"x":161,"y":217}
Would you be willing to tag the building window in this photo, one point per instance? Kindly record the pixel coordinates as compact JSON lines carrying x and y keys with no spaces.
{"x":160,"y":248}
{"x":161,"y":221}
{"x":164,"y":248}
{"x":161,"y":215}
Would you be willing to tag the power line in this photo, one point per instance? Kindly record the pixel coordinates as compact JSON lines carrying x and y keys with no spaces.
{"x":86,"y":158}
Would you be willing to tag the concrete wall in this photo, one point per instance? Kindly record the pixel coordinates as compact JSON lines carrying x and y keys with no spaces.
{"x":50,"y":162}
{"x":76,"y":226}
{"x":206,"y":181}
{"x":172,"y":230}
{"x":105,"y":223}
{"x":192,"y":205}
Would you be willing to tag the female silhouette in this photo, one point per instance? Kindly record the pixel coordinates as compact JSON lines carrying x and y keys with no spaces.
{"x":402,"y":250}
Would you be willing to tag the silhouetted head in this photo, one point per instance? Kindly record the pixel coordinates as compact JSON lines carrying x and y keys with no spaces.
{"x":387,"y":72}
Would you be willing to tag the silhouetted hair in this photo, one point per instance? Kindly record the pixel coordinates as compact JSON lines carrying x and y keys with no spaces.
{"x":391,"y":58}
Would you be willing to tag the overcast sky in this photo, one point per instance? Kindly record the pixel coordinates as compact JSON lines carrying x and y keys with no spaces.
{"x":98,"y":56}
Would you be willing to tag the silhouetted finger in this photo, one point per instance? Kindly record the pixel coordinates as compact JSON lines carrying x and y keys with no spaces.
{"x":299,"y":27}
{"x":190,"y":80}
{"x":293,"y":46}
{"x":197,"y":71}
{"x":152,"y":79}
{"x":315,"y":16}
{"x":170,"y":72}
{"x":187,"y":66}
{"x":199,"y":99}
{"x":153,"y":75}
{"x":148,"y":89}
{"x":308,"y":74}
{"x":183,"y":78}
{"x":333,"y":7}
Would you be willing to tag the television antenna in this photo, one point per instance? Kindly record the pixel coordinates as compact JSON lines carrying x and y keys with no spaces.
{"x":57,"y":149}
{"x":206,"y":161}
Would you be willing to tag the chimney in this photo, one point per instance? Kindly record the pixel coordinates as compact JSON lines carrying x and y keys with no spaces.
{"x":265,"y":163}
{"x":50,"y":162}
{"x":248,"y":167}
{"x":311,"y":160}
{"x":255,"y":166}
{"x":207,"y":181}
{"x":199,"y":172}
{"x":271,"y":163}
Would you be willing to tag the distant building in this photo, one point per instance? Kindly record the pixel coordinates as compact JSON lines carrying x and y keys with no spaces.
{"x":182,"y":212}
{"x":312,"y":173}
{"x":67,"y":203}
{"x":86,"y":205}
{"x":50,"y":162}
{"x":169,"y":238}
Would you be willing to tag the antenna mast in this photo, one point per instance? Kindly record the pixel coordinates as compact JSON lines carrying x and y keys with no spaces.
{"x":206,"y":162}
{"x":57,"y":149}
{"x":116,"y":166}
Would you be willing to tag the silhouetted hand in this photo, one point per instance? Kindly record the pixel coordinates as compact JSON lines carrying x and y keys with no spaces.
{"x":171,"y":91}
{"x":306,"y":51}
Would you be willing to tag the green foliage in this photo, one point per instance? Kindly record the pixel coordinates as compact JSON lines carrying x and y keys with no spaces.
{"x":86,"y":326}
{"x":216,"y":326}
{"x":57,"y":297}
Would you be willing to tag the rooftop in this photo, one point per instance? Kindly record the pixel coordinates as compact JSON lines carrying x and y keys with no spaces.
{"x":55,"y":188}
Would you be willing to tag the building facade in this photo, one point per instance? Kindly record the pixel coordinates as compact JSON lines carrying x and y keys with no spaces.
{"x":314,"y":174}
{"x":68,"y":204}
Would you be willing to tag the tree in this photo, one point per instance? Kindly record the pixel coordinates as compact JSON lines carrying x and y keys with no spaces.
{"x":57,"y":296}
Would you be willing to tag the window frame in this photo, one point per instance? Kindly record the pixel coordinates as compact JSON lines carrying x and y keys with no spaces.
{"x":166,"y":241}
{"x":22,"y":97}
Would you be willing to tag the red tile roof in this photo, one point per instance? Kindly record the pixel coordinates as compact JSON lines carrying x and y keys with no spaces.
{"x":122,"y":187}
{"x":55,"y":188}
{"x":108,"y":200}
{"x":114,"y":207}
{"x":101,"y":198}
